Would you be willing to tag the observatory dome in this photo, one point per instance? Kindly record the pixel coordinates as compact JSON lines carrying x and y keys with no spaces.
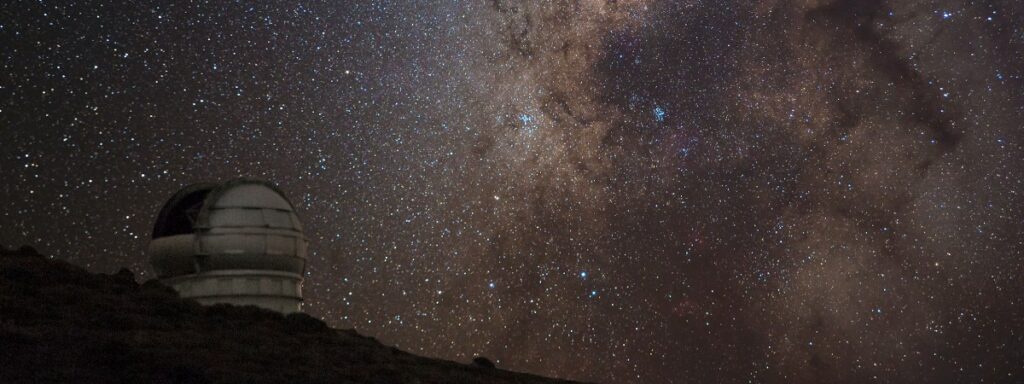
{"x":237,"y":242}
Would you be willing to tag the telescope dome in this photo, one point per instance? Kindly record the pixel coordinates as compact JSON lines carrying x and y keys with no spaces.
{"x":236,"y":242}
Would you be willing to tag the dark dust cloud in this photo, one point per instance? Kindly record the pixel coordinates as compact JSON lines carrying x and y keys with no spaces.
{"x":616,"y":191}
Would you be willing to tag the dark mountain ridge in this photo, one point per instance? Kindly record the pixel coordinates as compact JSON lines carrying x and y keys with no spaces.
{"x":60,"y":323}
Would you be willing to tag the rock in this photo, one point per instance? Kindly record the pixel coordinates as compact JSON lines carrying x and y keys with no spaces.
{"x":28,"y":250}
{"x":483,"y":362}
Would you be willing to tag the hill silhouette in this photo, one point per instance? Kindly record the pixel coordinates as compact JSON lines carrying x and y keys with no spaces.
{"x":60,"y":323}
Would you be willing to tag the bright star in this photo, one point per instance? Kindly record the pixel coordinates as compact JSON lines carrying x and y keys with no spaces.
{"x":659,"y":114}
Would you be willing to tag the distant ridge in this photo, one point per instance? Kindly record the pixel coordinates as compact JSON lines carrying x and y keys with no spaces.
{"x":60,"y":323}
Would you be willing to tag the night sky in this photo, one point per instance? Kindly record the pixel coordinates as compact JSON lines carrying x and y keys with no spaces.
{"x":615,"y":191}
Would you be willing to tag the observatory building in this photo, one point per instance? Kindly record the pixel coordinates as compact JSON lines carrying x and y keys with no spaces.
{"x":237,"y":242}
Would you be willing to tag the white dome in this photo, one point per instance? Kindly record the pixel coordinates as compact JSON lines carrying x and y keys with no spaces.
{"x":238,"y":242}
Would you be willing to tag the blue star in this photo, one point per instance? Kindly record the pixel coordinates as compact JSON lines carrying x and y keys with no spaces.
{"x":659,"y":114}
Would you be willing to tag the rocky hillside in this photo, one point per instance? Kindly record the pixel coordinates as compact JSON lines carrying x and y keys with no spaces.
{"x":60,"y":323}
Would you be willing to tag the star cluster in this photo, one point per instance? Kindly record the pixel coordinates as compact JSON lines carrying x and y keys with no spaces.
{"x":615,"y":191}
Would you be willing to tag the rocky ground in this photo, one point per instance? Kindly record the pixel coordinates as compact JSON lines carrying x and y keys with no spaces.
{"x":60,"y":323}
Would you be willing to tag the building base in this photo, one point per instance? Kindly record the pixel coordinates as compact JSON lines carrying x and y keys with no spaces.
{"x":273,"y":290}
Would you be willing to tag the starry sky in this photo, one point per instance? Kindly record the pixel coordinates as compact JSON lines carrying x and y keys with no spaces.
{"x":615,"y":191}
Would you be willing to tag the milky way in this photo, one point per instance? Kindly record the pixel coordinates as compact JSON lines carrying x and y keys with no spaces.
{"x":620,"y":191}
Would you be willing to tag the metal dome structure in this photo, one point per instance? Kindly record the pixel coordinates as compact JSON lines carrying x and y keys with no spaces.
{"x":237,"y":242}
